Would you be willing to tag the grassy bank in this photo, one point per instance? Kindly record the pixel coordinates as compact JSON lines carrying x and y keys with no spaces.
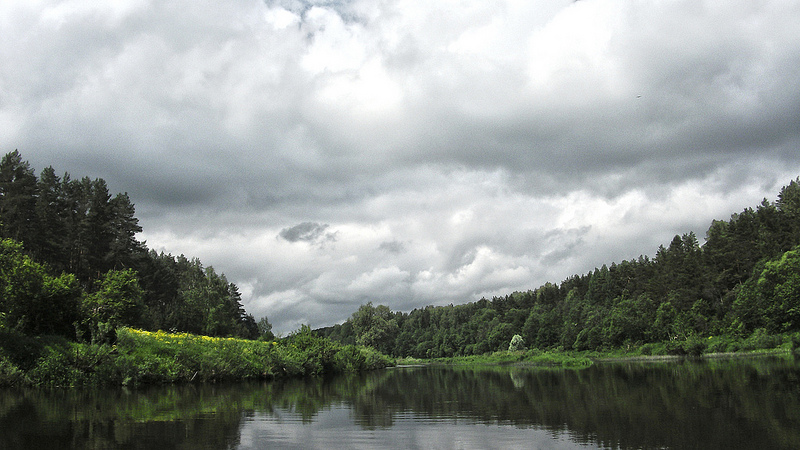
{"x":141,"y":357}
{"x":711,"y":347}
{"x":526,"y":357}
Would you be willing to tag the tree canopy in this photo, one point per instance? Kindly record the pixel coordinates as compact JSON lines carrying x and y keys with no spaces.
{"x":71,"y":264}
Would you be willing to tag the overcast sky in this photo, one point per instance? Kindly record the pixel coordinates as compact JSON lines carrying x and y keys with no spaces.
{"x":327,"y":153}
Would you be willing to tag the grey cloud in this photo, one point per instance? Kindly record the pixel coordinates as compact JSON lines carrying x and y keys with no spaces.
{"x":345,"y":9}
{"x":392,"y":247}
{"x":565,"y":244}
{"x":300,"y":6}
{"x":307,"y":232}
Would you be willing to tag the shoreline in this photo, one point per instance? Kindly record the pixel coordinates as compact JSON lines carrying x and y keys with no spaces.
{"x":568,"y":360}
{"x":717,"y":355}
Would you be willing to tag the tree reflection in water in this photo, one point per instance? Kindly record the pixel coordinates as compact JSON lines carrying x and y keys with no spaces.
{"x":750,"y":403}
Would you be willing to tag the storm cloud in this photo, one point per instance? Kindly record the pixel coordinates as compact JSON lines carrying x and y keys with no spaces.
{"x":308,"y":232}
{"x":327,"y":153}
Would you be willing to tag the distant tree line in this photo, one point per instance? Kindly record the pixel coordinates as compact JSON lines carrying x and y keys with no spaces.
{"x":70,"y":263}
{"x":744,"y":281}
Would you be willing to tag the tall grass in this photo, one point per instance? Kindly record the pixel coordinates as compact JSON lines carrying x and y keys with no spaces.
{"x":142,"y":357}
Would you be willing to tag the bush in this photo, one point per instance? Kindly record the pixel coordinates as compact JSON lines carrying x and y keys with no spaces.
{"x":349,"y":359}
{"x":760,"y":339}
{"x":374,"y":359}
{"x":10,"y":375}
{"x":723,"y":344}
{"x":647,"y":349}
{"x":794,"y":341}
{"x":516,"y":344}
{"x":694,"y":346}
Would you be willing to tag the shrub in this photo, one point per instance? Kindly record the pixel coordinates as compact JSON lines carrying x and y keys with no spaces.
{"x":794,"y":341}
{"x":11,"y":375}
{"x":516,"y":344}
{"x":646,"y":349}
{"x":694,"y":346}
{"x":760,"y":339}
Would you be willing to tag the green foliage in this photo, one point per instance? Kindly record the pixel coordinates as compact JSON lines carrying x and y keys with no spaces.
{"x":117,"y":301}
{"x":265,"y":330}
{"x":771,"y":298}
{"x":375,"y":326}
{"x":32,"y":301}
{"x":693,"y":346}
{"x":76,"y":235}
{"x":759,"y":340}
{"x":11,"y":375}
{"x":141,"y":357}
{"x":516,"y":344}
{"x":723,"y":344}
{"x":17,"y":197}
{"x":504,"y":358}
{"x":794,"y":342}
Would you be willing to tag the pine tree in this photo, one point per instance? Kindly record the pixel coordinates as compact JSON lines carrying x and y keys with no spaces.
{"x":17,"y":198}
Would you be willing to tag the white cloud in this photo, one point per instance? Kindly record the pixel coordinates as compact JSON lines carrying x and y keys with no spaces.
{"x":381,"y":282}
{"x":444,"y":150}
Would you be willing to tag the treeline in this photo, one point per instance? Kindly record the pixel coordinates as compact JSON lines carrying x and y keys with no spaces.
{"x":743,"y":283}
{"x":70,"y":264}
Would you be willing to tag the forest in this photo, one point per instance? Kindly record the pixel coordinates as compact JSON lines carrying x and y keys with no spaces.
{"x":739,"y":290}
{"x":70,"y":265}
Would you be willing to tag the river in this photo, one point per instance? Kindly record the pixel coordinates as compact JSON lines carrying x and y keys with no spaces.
{"x":743,"y":403}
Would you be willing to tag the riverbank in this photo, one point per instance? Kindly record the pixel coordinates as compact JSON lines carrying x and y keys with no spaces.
{"x":575,"y":359}
{"x":527,"y":358}
{"x":140,"y":357}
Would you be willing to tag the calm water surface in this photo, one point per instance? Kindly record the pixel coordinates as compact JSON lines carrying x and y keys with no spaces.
{"x":744,"y":403}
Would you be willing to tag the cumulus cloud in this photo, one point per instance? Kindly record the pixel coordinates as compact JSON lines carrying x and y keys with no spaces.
{"x":324,"y":153}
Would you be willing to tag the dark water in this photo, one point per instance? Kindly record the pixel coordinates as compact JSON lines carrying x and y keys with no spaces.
{"x":746,"y":404}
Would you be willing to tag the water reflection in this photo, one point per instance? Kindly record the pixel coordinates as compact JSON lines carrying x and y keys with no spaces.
{"x":714,"y":404}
